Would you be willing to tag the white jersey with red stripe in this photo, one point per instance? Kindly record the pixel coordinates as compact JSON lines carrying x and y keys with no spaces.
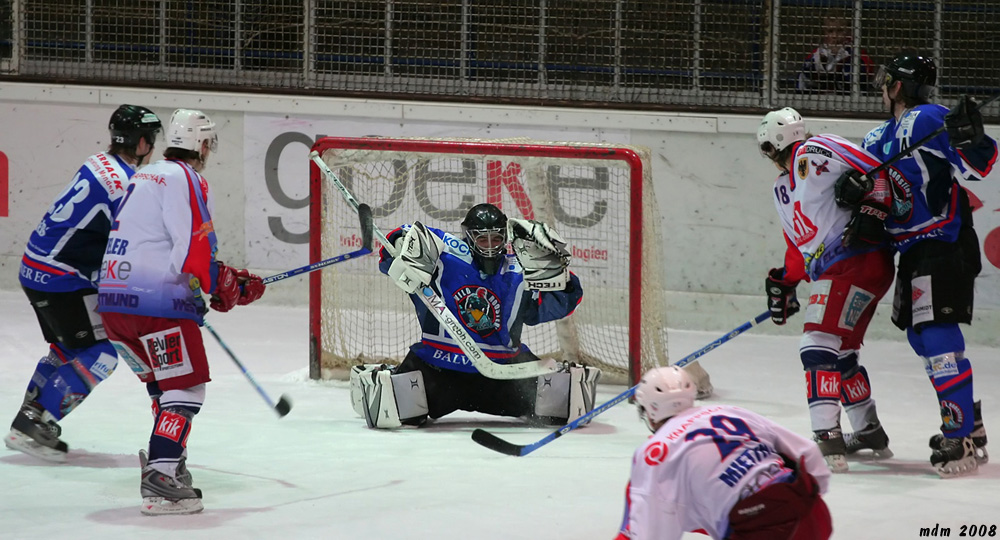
{"x":701,"y":462}
{"x":811,"y":219}
{"x":162,"y":245}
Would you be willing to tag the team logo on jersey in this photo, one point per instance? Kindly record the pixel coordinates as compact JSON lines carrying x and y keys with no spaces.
{"x":479,"y":308}
{"x":821,"y":167}
{"x":951,"y":416}
{"x":805,"y":229}
{"x":802,"y":167}
{"x":902,"y":195}
{"x":656,"y":453}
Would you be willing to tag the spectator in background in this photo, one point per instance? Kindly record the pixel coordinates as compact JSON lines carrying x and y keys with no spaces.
{"x":829,"y":67}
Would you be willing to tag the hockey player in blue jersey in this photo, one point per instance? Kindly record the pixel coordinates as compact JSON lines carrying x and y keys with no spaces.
{"x":59,"y":273}
{"x":494,"y":294}
{"x":930,"y":224}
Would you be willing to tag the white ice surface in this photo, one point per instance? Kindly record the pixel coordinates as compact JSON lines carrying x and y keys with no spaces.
{"x":319,"y":473}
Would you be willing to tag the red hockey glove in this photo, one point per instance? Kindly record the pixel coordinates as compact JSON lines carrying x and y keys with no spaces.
{"x":781,"y":298}
{"x":227,"y":289}
{"x":251,"y":287}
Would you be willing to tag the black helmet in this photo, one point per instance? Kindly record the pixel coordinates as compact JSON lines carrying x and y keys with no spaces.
{"x":917,"y":73}
{"x":130,"y":123}
{"x":485,"y":228}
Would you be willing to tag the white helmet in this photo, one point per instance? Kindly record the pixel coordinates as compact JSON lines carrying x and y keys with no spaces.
{"x":779,"y":129}
{"x":663,"y":392}
{"x":189,"y":128}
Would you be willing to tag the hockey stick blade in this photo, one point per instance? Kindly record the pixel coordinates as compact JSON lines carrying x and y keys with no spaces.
{"x":491,"y":441}
{"x":367,"y":226}
{"x":284,"y":404}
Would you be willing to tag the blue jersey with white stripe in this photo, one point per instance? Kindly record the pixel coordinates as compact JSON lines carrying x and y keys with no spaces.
{"x":493,"y":308}
{"x":65,"y":250}
{"x":925,"y":190}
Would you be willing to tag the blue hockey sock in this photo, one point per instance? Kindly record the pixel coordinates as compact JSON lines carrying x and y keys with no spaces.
{"x":78,"y":372}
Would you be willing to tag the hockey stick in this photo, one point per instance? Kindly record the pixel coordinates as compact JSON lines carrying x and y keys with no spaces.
{"x":365,"y":215}
{"x":916,"y":146}
{"x":283,"y":405}
{"x":436,"y":305}
{"x":497,"y":444}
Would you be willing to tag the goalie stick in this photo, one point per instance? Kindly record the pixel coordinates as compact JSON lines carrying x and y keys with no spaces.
{"x":491,"y":441}
{"x":436,"y":305}
{"x":365,"y":215}
{"x":284,"y":403}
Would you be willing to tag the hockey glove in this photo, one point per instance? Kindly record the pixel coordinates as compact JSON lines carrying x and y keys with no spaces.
{"x":227,"y":289}
{"x":851,"y":188}
{"x":542,"y":254}
{"x":781,"y":298}
{"x":866,"y":227}
{"x":964,"y":123}
{"x":251,"y":287}
{"x":416,"y":259}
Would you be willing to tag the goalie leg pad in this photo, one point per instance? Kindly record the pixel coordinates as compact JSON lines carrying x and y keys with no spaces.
{"x":568,"y":394}
{"x":386,"y":400}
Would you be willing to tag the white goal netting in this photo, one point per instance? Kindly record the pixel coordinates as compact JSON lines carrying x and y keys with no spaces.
{"x":598,"y":197}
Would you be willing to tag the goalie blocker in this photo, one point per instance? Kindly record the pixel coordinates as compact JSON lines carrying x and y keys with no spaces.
{"x":386,"y":399}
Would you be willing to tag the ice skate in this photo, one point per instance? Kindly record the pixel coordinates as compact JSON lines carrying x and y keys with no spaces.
{"x":164,"y":495}
{"x":183,"y":474}
{"x":873,"y":438}
{"x":978,"y":436}
{"x":955,"y":457}
{"x":36,"y":433}
{"x":831,"y":444}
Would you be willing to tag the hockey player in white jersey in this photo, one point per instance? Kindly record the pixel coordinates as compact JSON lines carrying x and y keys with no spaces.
{"x":848,"y":273}
{"x":59,"y":273}
{"x":495,"y":294}
{"x":720,"y":470}
{"x":161,"y":256}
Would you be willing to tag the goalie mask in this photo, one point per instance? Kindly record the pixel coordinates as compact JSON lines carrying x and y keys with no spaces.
{"x":664,"y":392}
{"x":485,"y":228}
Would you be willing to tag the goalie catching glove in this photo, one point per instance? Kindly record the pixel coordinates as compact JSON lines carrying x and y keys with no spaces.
{"x":416,"y":258}
{"x":542,"y":254}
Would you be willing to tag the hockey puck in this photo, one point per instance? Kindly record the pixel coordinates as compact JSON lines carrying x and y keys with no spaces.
{"x":284,"y":405}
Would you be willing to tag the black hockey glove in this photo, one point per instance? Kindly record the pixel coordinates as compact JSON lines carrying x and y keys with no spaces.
{"x":781,"y":298}
{"x":851,"y":188}
{"x":964,"y":123}
{"x":866,"y":227}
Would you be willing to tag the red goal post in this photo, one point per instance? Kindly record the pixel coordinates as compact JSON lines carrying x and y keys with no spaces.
{"x":599,"y":197}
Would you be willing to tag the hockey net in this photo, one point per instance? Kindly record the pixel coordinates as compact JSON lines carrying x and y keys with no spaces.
{"x":599,"y":197}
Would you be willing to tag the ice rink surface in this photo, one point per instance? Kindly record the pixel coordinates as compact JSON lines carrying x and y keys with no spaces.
{"x":319,"y":473}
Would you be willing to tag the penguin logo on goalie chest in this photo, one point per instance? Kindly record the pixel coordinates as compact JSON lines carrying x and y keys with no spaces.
{"x":479,"y":308}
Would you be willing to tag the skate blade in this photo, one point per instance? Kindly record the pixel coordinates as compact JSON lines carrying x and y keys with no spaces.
{"x":15,"y":440}
{"x":957,"y":468}
{"x":837,"y":463}
{"x":161,"y":506}
{"x":872,"y":454}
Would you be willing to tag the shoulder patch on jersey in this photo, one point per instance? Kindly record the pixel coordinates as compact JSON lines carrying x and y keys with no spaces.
{"x":802,"y":168}
{"x":455,"y":245}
